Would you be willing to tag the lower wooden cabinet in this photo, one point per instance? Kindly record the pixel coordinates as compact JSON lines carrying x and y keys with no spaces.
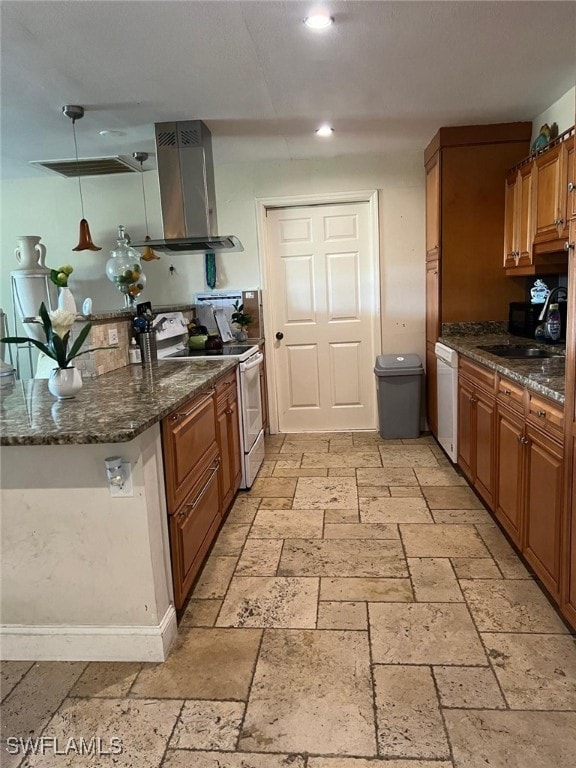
{"x":509,"y":472}
{"x":228,"y":436}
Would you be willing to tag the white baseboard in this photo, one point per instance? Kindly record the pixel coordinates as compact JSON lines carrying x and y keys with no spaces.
{"x":36,"y":643}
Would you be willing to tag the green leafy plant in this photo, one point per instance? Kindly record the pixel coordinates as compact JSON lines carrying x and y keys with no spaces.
{"x":57,"y":326}
{"x":60,"y":275}
{"x":239,"y":316}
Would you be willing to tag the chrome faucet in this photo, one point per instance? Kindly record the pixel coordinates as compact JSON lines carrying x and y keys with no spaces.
{"x":549,"y":299}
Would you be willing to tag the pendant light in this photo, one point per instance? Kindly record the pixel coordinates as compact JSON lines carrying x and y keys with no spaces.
{"x":147,"y":252}
{"x":75,"y":112}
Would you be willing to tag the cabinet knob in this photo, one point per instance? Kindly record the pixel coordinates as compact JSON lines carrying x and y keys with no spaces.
{"x":541,"y":414}
{"x":569,"y":246}
{"x":506,"y":392}
{"x":229,"y":411}
{"x":571,"y":186}
{"x":558,"y":222}
{"x":520,"y":438}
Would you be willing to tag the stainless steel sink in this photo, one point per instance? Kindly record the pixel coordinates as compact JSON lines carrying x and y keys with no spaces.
{"x":519,"y":351}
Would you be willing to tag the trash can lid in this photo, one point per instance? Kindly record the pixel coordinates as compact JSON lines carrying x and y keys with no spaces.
{"x":398,"y":365}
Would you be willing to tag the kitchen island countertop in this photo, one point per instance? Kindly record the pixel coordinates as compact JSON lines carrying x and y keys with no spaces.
{"x":545,"y":376}
{"x":114,"y":407}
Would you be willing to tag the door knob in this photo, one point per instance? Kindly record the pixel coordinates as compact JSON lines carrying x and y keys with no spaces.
{"x":279,"y":335}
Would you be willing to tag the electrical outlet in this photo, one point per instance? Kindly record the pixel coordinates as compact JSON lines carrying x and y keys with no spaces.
{"x":126,"y":489}
{"x":113,"y":336}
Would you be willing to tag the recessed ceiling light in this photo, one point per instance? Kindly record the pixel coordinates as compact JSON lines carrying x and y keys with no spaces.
{"x":319,"y":20}
{"x":325,"y":130}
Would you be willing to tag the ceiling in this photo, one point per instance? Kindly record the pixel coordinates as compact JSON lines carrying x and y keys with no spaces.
{"x":387,"y":75}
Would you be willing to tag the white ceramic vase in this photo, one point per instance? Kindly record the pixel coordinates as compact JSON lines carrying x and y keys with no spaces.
{"x":65,"y":383}
{"x":31,"y":283}
{"x":66,"y":300}
{"x":30,"y":252}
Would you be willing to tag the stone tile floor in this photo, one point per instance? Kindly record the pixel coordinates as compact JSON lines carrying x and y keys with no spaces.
{"x":360,"y":606}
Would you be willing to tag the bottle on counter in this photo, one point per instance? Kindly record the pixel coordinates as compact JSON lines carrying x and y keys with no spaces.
{"x":134,"y":353}
{"x":553,"y":324}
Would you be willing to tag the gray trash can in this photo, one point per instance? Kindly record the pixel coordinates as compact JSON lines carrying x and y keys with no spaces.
{"x":399,"y":382}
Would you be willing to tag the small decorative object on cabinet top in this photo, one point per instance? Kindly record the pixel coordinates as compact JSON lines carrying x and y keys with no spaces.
{"x":546,"y":134}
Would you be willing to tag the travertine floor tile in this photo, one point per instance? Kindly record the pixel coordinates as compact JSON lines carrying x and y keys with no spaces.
{"x":341,"y":472}
{"x":434,"y":580}
{"x":386,"y":476}
{"x":342,"y":557}
{"x":506,"y":559}
{"x":393,"y":510}
{"x":143,"y":728}
{"x":361,"y":531}
{"x":208,"y":725}
{"x":342,"y":615}
{"x":267,"y":468}
{"x":358,"y":762}
{"x":510,"y":606}
{"x":181,"y":759}
{"x":301,"y":472}
{"x":230,"y":540}
{"x":424,"y":633}
{"x":274,"y":486}
{"x":215,"y":577}
{"x":349,"y":459}
{"x":268,"y":601}
{"x":375,"y":491}
{"x":535,"y":671}
{"x":288,"y":524}
{"x":372,"y":590}
{"x":423,"y":440}
{"x":11,"y":672}
{"x":276,"y":503}
{"x":468,"y":688}
{"x":326,"y":493}
{"x":276,"y":441}
{"x":288,"y":464}
{"x":512,"y":739}
{"x":476,"y":568}
{"x":459,"y":516}
{"x":200,"y":613}
{"x":106,"y":679}
{"x":407,"y":456}
{"x":404,"y":491}
{"x":453,"y":497}
{"x":337,"y":516}
{"x":344,"y":445}
{"x":439,"y":476}
{"x":30,"y":705}
{"x":305,"y":446}
{"x":442,"y":541}
{"x":203,"y":664}
{"x":260,"y":557}
{"x":408,"y":713}
{"x":311,"y":693}
{"x":243,"y":510}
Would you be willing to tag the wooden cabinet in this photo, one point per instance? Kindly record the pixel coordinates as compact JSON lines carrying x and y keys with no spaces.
{"x":228,"y":438}
{"x":551,"y":194}
{"x":465,"y":167}
{"x":509,"y":471}
{"x":511,"y":253}
{"x":476,"y":404}
{"x":519,"y":218}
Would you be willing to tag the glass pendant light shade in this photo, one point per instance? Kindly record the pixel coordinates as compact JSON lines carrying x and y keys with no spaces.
{"x":85,"y":243}
{"x":124,"y":269}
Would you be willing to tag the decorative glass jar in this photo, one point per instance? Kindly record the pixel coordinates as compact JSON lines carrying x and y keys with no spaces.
{"x":124,"y":269}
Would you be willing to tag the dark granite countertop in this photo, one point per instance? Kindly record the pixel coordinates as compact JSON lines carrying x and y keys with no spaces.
{"x":112,"y":408}
{"x":543,"y":375}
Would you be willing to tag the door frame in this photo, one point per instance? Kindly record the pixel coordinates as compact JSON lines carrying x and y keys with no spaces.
{"x":263,"y":204}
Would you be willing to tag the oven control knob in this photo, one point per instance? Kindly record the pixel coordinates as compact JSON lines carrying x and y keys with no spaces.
{"x":279,"y":335}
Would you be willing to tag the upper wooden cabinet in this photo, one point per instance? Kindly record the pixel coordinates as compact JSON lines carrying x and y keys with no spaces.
{"x":433,"y":208}
{"x":538,"y":207}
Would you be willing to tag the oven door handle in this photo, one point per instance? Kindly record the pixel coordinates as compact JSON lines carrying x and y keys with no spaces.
{"x":252,"y":362}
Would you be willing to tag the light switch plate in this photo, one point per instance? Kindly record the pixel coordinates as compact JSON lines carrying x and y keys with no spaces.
{"x":113,"y":336}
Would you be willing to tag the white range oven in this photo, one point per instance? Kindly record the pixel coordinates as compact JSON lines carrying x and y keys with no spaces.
{"x":171,"y":336}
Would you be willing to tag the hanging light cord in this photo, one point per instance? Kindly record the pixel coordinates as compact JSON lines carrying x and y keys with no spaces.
{"x":144,"y":196}
{"x":78,"y":166}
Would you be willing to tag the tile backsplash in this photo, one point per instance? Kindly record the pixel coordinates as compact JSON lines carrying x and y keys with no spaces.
{"x":100,"y":361}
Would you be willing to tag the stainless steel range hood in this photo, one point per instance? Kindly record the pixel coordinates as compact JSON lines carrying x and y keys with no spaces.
{"x":186,"y":177}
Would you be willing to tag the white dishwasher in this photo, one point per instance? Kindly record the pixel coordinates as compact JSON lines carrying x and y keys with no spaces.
{"x":447,"y":382}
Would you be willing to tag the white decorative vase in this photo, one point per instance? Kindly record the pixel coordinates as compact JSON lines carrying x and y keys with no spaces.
{"x":65,"y":383}
{"x":241,"y":335}
{"x":30,"y":252}
{"x":66,"y":300}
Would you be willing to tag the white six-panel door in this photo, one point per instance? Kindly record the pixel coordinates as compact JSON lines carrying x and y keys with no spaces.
{"x":323,"y":293}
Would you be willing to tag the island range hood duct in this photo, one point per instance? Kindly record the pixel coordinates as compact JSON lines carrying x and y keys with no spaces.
{"x":186,"y":177}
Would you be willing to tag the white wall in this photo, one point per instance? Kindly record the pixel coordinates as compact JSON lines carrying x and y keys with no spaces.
{"x":49,"y":206}
{"x":561,"y":112}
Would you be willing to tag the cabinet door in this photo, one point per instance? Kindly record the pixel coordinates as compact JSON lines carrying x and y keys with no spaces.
{"x":192,"y":530}
{"x":569,"y":552}
{"x":570,"y":181}
{"x":509,"y":461}
{"x":466,"y":428}
{"x":550,"y":189}
{"x":510,"y":220}
{"x":432,"y":301}
{"x":485,"y":445}
{"x":234,"y":447}
{"x":431,"y":390}
{"x":543,"y":517}
{"x":223,"y":434}
{"x":526,"y":204}
{"x":433,"y":207}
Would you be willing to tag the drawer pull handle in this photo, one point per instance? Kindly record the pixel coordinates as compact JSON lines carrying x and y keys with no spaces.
{"x":541,"y":414}
{"x":196,"y":500}
{"x":519,"y":438}
{"x":506,"y":392}
{"x":229,"y":411}
{"x":177,"y":416}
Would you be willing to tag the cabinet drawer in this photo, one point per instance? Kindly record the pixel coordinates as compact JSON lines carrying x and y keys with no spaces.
{"x":511,"y":394}
{"x":478,"y":374}
{"x":547,"y":414}
{"x":224,"y":387}
{"x":192,"y":530}
{"x":189,"y":438}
